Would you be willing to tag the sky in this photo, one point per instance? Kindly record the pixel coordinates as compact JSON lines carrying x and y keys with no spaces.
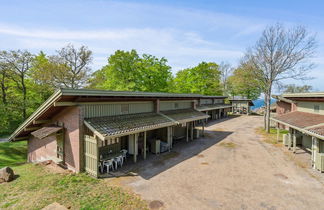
{"x":185,"y":32}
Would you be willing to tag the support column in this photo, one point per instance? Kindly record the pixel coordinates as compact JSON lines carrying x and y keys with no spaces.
{"x":144,"y":145}
{"x":294,"y":142}
{"x":187,"y":132}
{"x":192,"y":131}
{"x":203,"y":130}
{"x":278,"y":134}
{"x":171,"y":129}
{"x":135,"y":147}
{"x":169,"y":137}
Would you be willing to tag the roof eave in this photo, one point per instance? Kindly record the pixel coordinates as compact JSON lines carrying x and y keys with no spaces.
{"x":47,"y":104}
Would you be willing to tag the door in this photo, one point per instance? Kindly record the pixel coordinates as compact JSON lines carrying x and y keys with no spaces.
{"x":60,"y":146}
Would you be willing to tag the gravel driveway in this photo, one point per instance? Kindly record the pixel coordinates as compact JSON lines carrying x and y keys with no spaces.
{"x":231,"y":168}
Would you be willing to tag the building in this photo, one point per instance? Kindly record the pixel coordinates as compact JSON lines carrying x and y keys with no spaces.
{"x":304,"y":118}
{"x":79,"y":129}
{"x":283,"y":106}
{"x":213,"y":106}
{"x":241,"y":105}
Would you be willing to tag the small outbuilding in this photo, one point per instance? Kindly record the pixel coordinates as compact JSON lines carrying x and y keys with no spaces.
{"x":241,"y":105}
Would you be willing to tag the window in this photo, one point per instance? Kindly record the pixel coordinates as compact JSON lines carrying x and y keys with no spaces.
{"x":176,"y":105}
{"x":124,"y":108}
{"x":316,"y":108}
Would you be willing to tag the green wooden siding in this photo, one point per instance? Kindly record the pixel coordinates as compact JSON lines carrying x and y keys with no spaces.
{"x":112,"y":109}
{"x":206,"y":101}
{"x":309,"y":107}
{"x":174,"y":105}
{"x":91,"y":155}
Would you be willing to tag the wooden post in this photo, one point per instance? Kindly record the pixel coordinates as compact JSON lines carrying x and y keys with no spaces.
{"x":203,"y":130}
{"x":278,"y":134}
{"x":192,"y":131}
{"x":294,"y":142}
{"x":135,"y":147}
{"x":187,"y":132}
{"x":144,"y":145}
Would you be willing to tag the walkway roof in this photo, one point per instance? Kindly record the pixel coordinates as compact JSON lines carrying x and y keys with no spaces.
{"x":121,"y":125}
{"x":312,"y":124}
{"x":213,"y":107}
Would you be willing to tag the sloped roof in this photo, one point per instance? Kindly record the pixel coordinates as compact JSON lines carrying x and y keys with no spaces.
{"x":301,"y":119}
{"x":49,"y":108}
{"x":46,"y":131}
{"x":185,"y":115}
{"x":213,"y":106}
{"x":305,"y":122}
{"x":121,"y":125}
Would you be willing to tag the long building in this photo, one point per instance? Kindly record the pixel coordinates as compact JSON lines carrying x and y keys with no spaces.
{"x":79,"y":129}
{"x":303,"y":115}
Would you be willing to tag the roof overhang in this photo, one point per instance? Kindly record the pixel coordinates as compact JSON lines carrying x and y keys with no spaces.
{"x":213,"y":107}
{"x":74,"y":97}
{"x":302,"y":130}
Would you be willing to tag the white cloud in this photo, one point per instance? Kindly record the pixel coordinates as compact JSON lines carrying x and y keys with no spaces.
{"x":183,"y":48}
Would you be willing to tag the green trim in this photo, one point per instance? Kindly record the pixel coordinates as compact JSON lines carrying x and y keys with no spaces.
{"x":312,"y":94}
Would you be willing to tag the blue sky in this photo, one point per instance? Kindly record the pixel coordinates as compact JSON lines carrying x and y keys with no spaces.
{"x":185,"y":32}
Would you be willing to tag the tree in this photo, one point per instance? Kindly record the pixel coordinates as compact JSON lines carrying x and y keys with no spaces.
{"x":18,"y":63}
{"x":226,"y":70}
{"x":292,"y":88}
{"x":76,"y":62}
{"x":126,"y":70}
{"x":68,"y":69}
{"x":202,"y":79}
{"x":279,"y":54}
{"x":244,"y":83}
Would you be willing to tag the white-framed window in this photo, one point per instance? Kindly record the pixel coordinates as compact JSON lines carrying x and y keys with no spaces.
{"x":316,"y":108}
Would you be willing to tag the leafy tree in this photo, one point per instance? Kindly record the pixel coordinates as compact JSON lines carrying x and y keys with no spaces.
{"x":68,"y":69}
{"x":126,"y":70}
{"x":244,"y":83}
{"x":202,"y":79}
{"x":292,"y":88}
{"x":19,"y":63}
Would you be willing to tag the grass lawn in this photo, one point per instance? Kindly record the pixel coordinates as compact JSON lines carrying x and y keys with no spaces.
{"x":13,"y":153}
{"x":271,"y":137}
{"x":37,"y":187}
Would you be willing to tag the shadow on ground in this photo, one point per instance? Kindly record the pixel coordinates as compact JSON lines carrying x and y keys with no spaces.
{"x":181,"y":151}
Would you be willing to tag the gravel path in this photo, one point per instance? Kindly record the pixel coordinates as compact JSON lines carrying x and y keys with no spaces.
{"x":231,"y":168}
{"x":3,"y":139}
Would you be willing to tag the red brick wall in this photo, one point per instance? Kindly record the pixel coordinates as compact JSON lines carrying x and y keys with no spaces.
{"x":283,"y":107}
{"x":38,"y":149}
{"x":70,"y":119}
{"x":41,"y":149}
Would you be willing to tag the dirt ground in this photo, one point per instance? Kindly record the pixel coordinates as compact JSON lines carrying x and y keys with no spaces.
{"x":231,"y":168}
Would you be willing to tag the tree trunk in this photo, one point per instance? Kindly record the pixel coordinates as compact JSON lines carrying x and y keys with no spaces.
{"x":268,"y":100}
{"x":24,"y":92}
{"x":265,"y":112}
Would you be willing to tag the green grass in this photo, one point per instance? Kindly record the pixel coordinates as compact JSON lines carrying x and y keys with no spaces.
{"x":13,"y":153}
{"x":36,"y":187}
{"x":271,"y":137}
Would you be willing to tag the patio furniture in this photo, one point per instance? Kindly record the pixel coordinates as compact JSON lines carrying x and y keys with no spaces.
{"x":164,"y":146}
{"x":109,"y":164}
{"x":124,"y":153}
{"x":119,"y":161}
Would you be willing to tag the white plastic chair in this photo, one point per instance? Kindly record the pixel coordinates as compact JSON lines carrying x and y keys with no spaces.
{"x":119,"y":160}
{"x":109,"y":164}
{"x":124,"y":154}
